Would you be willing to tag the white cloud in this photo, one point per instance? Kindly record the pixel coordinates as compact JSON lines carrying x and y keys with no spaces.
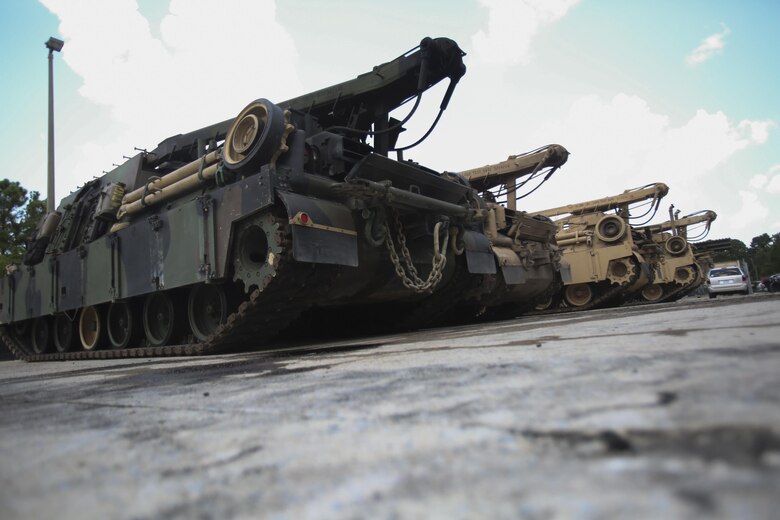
{"x":769,"y":182}
{"x":207,"y":63}
{"x":709,"y":46}
{"x":774,"y":185}
{"x":623,"y":138}
{"x":750,"y":212}
{"x":758,"y":181}
{"x":622,"y":143}
{"x":759,"y":130}
{"x":512,"y":25}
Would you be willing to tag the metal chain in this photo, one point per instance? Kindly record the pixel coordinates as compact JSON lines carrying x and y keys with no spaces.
{"x":409,"y":276}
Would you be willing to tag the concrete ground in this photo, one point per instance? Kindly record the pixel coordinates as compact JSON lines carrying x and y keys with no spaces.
{"x":665,"y":411}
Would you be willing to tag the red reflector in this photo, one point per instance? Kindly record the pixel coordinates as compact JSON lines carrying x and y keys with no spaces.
{"x":304,"y":218}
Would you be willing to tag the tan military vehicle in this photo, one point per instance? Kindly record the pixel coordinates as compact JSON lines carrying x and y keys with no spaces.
{"x":523,"y":244}
{"x":601,"y":264}
{"x":666,"y":246}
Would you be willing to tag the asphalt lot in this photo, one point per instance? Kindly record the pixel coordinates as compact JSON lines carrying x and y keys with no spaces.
{"x":663,"y":411}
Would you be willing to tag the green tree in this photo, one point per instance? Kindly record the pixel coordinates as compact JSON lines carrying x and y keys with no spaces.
{"x":737,"y":250}
{"x":761,"y":242}
{"x":764,"y":252}
{"x":20,"y":213}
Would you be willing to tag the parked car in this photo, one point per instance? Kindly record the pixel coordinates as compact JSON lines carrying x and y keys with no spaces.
{"x":726,"y":280}
{"x":773,"y":283}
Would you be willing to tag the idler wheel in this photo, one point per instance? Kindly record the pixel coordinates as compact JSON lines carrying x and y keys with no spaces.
{"x":675,"y":245}
{"x":578,"y":295}
{"x":159,"y":318}
{"x":121,"y":324}
{"x":41,"y":335}
{"x":652,"y":292}
{"x":610,"y":228}
{"x":207,"y":309}
{"x":64,"y":333}
{"x":91,"y":328}
{"x":253,"y":138}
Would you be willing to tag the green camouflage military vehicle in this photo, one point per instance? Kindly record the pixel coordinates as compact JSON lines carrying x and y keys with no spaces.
{"x":219,"y":238}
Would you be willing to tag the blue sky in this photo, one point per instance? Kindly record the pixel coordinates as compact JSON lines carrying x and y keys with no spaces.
{"x":613,"y":81}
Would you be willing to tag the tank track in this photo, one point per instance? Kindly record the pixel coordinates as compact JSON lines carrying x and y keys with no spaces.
{"x":264,"y":314}
{"x":677,"y":291}
{"x":435,"y":310}
{"x":613,"y":292}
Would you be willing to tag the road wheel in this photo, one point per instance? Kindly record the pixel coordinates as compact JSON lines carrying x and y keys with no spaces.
{"x":652,"y":292}
{"x":578,"y":295}
{"x":207,"y":309}
{"x":159,"y":317}
{"x":121,"y":324}
{"x":64,"y":333}
{"x":92,"y":328}
{"x":41,"y":335}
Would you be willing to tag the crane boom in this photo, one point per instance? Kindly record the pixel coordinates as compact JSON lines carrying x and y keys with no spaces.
{"x":650,"y":192}
{"x":355,"y":105}
{"x":707,"y":216}
{"x":485,"y":177}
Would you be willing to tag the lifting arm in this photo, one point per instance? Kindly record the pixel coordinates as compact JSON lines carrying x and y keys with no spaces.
{"x":707,"y":216}
{"x":551,"y":156}
{"x":352,"y":106}
{"x":653,"y":192}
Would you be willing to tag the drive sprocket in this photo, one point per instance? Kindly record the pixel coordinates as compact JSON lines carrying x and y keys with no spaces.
{"x":257,"y":251}
{"x":621,"y":271}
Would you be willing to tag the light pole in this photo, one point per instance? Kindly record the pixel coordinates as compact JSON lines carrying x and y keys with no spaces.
{"x":54,"y":45}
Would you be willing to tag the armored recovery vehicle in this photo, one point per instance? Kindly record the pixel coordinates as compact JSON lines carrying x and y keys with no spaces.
{"x":523,"y":250}
{"x":600,"y":262}
{"x":221,"y":237}
{"x":667,"y":246}
{"x":524,"y":245}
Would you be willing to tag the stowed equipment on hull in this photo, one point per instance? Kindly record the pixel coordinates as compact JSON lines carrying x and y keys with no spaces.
{"x":600,"y":262}
{"x":199,"y":246}
{"x":668,"y":248}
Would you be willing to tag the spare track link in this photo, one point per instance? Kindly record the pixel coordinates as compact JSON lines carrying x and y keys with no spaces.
{"x":262,"y":315}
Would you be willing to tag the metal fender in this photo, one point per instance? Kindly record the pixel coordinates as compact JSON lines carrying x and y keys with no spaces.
{"x":511,"y":265}
{"x":479,"y":258}
{"x":323,"y":232}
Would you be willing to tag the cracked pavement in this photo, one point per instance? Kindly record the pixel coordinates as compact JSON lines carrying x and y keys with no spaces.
{"x":668,"y":410}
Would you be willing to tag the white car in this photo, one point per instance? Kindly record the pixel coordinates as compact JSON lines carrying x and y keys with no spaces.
{"x":725,"y":280}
